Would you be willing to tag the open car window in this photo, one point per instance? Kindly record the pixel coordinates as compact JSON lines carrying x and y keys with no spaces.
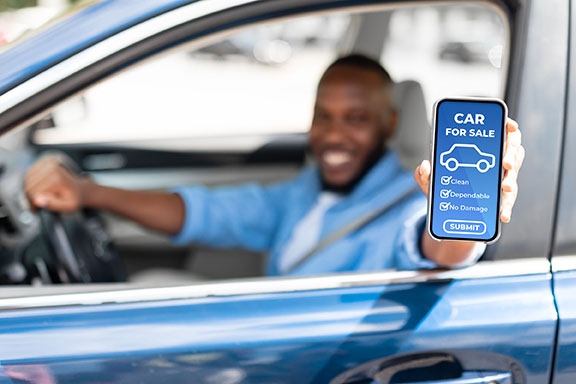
{"x":237,"y":108}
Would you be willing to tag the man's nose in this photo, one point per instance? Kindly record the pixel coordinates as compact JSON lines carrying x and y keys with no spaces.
{"x":335,"y":131}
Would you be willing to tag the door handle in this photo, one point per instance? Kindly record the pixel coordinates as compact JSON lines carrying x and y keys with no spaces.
{"x":478,"y":377}
{"x":430,"y":368}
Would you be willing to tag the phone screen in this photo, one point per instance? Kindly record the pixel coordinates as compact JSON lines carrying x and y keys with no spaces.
{"x":467,"y":169}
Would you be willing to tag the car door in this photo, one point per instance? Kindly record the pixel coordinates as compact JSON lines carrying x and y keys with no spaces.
{"x":495,"y":322}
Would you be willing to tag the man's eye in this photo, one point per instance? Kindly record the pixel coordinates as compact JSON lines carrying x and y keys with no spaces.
{"x":357,"y":119}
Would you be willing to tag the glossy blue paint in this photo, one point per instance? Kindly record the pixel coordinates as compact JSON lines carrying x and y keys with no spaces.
{"x":283,"y":338}
{"x":75,"y":32}
{"x":564,"y":288}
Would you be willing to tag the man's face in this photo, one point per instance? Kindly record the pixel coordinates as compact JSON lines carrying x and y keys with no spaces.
{"x":352,"y":119}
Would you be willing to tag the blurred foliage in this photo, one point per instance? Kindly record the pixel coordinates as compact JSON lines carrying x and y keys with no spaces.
{"x":6,"y":5}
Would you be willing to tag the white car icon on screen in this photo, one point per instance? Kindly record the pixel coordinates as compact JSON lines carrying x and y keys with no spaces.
{"x":467,"y":155}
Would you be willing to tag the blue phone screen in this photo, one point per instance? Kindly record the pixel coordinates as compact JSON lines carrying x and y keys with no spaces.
{"x":467,"y":170}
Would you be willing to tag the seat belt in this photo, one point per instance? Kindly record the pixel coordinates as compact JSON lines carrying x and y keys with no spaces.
{"x":352,"y":227}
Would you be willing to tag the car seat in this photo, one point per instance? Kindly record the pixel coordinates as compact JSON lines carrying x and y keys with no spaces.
{"x":412,"y":137}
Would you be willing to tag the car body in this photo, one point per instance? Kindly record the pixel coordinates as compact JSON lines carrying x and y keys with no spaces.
{"x":508,"y":319}
{"x":467,"y":155}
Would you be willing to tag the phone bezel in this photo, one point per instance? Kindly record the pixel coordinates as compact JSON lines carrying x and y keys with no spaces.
{"x":488,"y":100}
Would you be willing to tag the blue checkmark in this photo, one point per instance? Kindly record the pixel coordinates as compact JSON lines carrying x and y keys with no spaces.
{"x":445,"y":180}
{"x":444,"y":206}
{"x":445,"y":193}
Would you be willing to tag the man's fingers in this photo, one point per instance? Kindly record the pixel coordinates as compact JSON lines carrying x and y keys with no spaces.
{"x":512,"y":162}
{"x":45,"y":186}
{"x":520,"y":155}
{"x":62,"y":202}
{"x":508,"y":200}
{"x":513,"y":145}
{"x":509,"y":184}
{"x":513,"y":136}
{"x":509,"y":158}
{"x":45,"y":168}
{"x":511,"y":125}
{"x":422,"y":176}
{"x":52,"y":188}
{"x":47,"y":181}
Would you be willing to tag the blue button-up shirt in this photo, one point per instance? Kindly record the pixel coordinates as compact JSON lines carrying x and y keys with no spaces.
{"x":263,"y":218}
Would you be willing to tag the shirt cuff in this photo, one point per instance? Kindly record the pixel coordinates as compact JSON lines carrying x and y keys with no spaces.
{"x":191,"y":225}
{"x":410,"y":254}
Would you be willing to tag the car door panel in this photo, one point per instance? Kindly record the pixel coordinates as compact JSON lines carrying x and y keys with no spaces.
{"x":306,"y":336}
{"x":564,"y":288}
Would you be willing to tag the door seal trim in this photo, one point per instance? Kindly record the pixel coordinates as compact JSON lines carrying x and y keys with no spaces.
{"x":58,"y":296}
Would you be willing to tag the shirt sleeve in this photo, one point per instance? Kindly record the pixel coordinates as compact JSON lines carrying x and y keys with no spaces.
{"x":243,"y":216}
{"x":409,"y":254}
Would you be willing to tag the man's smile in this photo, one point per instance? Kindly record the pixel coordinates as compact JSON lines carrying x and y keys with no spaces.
{"x":335,"y":158}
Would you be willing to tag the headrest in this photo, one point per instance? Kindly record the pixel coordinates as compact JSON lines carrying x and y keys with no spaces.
{"x":412,"y":137}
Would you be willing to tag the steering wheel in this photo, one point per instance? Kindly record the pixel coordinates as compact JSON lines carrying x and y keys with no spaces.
{"x":82,"y":250}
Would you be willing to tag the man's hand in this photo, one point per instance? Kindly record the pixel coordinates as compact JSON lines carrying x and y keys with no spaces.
{"x":49,"y":185}
{"x":454,"y":253}
{"x":512,"y":162}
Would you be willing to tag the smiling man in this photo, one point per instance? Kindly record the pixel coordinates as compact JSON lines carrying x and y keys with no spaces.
{"x":355,"y":176}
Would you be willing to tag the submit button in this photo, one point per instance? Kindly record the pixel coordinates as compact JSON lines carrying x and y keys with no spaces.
{"x":465,"y":227}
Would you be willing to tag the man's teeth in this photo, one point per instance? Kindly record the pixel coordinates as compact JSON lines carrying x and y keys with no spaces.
{"x":336,"y":158}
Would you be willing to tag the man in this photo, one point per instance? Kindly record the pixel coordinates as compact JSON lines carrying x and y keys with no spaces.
{"x":355,"y":174}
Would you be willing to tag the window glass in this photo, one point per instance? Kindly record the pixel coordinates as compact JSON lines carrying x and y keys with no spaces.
{"x":262,"y":80}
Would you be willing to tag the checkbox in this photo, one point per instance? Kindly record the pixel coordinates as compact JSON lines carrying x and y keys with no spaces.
{"x":445,"y":193}
{"x":445,"y":180}
{"x":444,"y":206}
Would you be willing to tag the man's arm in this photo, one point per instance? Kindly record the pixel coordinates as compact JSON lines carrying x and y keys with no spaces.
{"x":49,"y":185}
{"x":453,"y":253}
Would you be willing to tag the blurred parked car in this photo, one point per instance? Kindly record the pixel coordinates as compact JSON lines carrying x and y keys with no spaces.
{"x":70,"y":311}
{"x":471,"y":52}
{"x":251,"y":45}
{"x":465,"y":51}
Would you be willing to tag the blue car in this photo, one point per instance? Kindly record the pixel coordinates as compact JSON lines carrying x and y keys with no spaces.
{"x":91,"y":298}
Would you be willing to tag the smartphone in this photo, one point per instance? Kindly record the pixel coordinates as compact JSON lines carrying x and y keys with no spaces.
{"x":466,"y":180}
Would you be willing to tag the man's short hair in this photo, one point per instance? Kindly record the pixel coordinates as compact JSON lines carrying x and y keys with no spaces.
{"x":362,"y":62}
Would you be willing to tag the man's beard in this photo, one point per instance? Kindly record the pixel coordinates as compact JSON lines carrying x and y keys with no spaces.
{"x":345,"y":189}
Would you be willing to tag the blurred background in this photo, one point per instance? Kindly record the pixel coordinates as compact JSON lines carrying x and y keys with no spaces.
{"x":20,"y":16}
{"x":262,"y":80}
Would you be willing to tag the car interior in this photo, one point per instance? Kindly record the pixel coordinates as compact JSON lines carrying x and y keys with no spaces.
{"x":232,"y":110}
